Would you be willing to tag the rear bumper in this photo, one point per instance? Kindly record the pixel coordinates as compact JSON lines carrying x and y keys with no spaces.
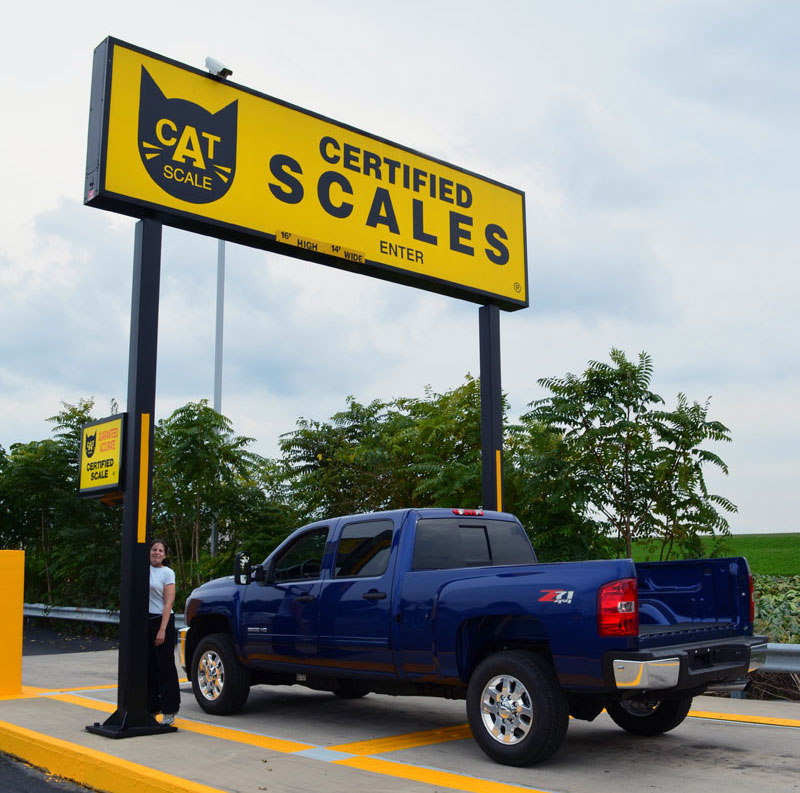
{"x":687,"y":667}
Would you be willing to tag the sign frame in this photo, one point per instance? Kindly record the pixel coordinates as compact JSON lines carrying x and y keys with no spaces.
{"x":116,"y":483}
{"x":96,"y":194}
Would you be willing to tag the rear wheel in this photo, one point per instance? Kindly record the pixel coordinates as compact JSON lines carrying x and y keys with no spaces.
{"x":220,"y":683}
{"x":517,"y":711}
{"x":649,"y":716}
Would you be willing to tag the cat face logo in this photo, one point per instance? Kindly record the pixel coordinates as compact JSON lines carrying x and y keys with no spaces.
{"x":188,"y":152}
{"x":91,"y":443}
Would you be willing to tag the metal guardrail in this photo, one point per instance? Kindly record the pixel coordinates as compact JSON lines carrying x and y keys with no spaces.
{"x":78,"y":613}
{"x":783,"y":658}
{"x":780,"y":657}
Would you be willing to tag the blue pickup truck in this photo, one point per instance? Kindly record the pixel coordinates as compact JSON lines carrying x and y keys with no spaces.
{"x":453,"y":603}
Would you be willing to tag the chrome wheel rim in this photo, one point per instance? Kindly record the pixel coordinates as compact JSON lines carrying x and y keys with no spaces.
{"x":506,"y":709}
{"x":210,"y":675}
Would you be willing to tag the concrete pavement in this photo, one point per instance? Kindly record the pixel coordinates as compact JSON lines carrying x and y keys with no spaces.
{"x":397,"y":745}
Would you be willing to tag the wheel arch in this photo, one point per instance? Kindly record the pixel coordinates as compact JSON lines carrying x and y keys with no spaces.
{"x":482,"y":636}
{"x":201,"y":626}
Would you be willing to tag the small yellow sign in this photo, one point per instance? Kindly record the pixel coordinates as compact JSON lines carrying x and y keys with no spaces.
{"x":101,"y":455}
{"x":199,"y":152}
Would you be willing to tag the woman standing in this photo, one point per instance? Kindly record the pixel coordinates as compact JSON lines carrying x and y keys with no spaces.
{"x":163,"y":693}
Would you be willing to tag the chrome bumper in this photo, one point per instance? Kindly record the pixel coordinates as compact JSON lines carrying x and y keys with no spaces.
{"x":660,"y":673}
{"x":709,"y":665}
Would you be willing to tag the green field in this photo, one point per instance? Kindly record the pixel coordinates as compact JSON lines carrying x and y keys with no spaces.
{"x":768,"y":554}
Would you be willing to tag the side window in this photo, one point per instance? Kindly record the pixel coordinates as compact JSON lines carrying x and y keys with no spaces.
{"x":364,"y":549}
{"x":302,"y":560}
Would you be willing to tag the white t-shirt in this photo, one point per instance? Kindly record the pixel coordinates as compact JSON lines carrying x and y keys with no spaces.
{"x":159,"y":578}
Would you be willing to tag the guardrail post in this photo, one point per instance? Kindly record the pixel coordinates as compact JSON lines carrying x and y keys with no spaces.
{"x":12,"y":584}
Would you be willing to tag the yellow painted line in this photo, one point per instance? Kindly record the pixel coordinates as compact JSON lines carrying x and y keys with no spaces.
{"x":144,"y":468}
{"x":84,"y":702}
{"x":26,"y":692}
{"x":407,"y":741}
{"x":225,"y":733}
{"x":240,"y":736}
{"x":29,"y":692}
{"x":705,"y":714}
{"x":431,"y":776}
{"x":89,"y":767}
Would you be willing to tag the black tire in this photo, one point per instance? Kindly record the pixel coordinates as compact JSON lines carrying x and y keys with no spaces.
{"x":220,"y":683}
{"x":530,"y":723}
{"x":649,"y":716}
{"x":349,"y":689}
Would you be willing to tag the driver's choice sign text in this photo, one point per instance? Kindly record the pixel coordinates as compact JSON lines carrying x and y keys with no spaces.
{"x":195,"y":151}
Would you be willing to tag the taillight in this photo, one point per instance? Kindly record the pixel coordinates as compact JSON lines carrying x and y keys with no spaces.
{"x":472,"y":512}
{"x":618,"y":608}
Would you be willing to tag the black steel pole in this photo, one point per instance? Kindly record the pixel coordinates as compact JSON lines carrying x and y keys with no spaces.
{"x":131,"y":717}
{"x":491,"y":408}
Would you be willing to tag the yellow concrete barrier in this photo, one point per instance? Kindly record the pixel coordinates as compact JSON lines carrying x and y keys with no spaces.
{"x":12,"y":581}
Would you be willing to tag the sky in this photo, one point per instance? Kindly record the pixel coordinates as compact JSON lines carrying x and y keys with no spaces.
{"x":656,"y":144}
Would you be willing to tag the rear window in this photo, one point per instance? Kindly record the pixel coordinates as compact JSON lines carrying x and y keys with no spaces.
{"x":445,"y":543}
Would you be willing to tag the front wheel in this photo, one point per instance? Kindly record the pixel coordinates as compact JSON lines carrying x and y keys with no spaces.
{"x":220,"y":683}
{"x":649,"y":716}
{"x":517,"y":711}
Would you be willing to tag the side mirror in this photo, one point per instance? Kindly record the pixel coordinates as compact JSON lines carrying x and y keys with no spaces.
{"x":242,"y":571}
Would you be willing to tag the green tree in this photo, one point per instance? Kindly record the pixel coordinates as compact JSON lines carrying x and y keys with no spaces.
{"x":204,"y":472}
{"x":35,"y":496}
{"x":340,"y":466}
{"x":540,"y":490}
{"x":684,"y":509}
{"x":638,"y":469}
{"x":72,"y":544}
{"x":384,"y":455}
{"x":440,"y":445}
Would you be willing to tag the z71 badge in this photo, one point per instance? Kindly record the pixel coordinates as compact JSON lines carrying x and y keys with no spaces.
{"x":556,"y":596}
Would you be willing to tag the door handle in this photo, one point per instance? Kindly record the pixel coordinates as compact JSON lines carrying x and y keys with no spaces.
{"x":304,"y":598}
{"x":373,"y":595}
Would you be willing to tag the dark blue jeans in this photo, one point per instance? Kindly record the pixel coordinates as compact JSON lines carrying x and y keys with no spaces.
{"x":163,"y":691}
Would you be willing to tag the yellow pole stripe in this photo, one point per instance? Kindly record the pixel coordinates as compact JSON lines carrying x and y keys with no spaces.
{"x":498,"y":460}
{"x":432,"y":777}
{"x":144,"y":465}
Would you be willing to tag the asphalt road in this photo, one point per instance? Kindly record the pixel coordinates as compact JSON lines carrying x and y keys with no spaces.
{"x":39,"y":639}
{"x":19,"y":777}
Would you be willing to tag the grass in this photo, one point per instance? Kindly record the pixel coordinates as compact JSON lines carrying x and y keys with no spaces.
{"x":767,"y":554}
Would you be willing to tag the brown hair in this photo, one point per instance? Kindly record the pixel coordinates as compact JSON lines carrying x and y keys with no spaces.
{"x":159,"y":541}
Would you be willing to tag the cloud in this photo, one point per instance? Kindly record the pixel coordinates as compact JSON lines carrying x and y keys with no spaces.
{"x":655,"y":143}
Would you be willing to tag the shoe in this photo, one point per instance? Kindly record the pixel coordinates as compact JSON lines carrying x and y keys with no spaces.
{"x":168,"y":720}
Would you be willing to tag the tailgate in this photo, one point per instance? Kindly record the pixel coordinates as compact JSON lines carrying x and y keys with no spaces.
{"x":694,"y":600}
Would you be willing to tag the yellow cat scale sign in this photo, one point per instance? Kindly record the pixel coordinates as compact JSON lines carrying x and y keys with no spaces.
{"x":198,"y":152}
{"x":101,"y":456}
